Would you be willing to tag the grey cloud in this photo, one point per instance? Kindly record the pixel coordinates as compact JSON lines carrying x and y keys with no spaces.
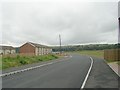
{"x":43,"y":22}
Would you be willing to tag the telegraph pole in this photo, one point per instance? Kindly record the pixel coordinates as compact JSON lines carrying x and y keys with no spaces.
{"x":60,"y":43}
{"x":119,"y":31}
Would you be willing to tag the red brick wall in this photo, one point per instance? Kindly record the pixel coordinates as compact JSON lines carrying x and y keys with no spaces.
{"x":27,"y":48}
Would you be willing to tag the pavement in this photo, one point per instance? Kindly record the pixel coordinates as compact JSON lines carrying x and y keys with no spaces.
{"x":68,"y":73}
{"x":115,"y":67}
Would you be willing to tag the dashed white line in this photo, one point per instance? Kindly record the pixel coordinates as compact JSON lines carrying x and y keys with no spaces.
{"x":84,"y":82}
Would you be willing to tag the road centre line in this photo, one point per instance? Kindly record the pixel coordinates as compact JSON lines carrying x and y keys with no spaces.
{"x":85,"y":80}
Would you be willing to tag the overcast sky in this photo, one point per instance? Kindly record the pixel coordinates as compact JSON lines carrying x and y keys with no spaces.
{"x":76,"y":22}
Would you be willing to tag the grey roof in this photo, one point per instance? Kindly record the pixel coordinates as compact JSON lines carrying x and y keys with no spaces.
{"x":6,"y":47}
{"x":37,"y":45}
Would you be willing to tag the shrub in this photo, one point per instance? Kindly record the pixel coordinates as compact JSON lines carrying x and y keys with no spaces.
{"x":23,"y":62}
{"x":40,"y":59}
{"x":18,"y":57}
{"x":54,"y":56}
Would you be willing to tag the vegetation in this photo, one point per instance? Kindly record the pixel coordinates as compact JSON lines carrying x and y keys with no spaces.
{"x":8,"y":61}
{"x":86,"y":47}
{"x":112,"y":61}
{"x":95,"y":53}
{"x":109,"y":60}
{"x":118,"y":62}
{"x":0,"y":62}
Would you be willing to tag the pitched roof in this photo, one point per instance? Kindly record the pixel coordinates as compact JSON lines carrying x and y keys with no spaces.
{"x":37,"y":45}
{"x":6,"y":47}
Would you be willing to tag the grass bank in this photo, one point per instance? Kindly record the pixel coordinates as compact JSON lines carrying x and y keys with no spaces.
{"x":95,"y":53}
{"x":8,"y":62}
{"x":0,"y":62}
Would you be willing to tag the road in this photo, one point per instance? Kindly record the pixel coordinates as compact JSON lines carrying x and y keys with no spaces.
{"x":69,"y":73}
{"x":102,"y":76}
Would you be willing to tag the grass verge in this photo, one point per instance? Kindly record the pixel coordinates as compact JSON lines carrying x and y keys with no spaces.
{"x":109,"y":61}
{"x":95,"y":53}
{"x":118,"y":62}
{"x":8,"y":62}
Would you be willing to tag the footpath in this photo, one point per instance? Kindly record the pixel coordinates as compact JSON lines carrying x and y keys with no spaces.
{"x":115,"y":67}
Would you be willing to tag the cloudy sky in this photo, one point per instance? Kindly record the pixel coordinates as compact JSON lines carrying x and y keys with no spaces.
{"x":76,"y":22}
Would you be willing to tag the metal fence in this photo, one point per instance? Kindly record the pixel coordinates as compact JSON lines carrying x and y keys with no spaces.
{"x":112,"y":54}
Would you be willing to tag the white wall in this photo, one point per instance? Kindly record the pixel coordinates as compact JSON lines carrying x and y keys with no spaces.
{"x":1,"y":51}
{"x":7,"y":51}
{"x":36,"y":51}
{"x":43,"y":51}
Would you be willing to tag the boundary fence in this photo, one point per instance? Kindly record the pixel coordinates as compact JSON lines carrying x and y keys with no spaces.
{"x":112,"y":54}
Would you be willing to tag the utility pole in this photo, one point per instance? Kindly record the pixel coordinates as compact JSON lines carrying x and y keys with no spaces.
{"x":119,"y":31}
{"x":60,"y":43}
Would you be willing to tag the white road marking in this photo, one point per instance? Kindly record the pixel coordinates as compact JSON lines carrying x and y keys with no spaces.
{"x":84,"y":82}
{"x":30,"y":68}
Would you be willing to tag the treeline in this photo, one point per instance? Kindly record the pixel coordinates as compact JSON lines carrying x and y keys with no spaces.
{"x":86,"y":47}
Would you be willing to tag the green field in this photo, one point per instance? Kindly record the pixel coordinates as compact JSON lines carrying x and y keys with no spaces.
{"x":8,"y":62}
{"x":95,"y":53}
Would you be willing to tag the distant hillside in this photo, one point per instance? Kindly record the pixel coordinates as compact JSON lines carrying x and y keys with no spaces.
{"x":86,"y":47}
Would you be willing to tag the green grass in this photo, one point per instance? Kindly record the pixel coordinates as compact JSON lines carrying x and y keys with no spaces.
{"x":118,"y":62}
{"x":8,"y":62}
{"x":95,"y":53}
{"x":109,"y":61}
{"x":0,"y":62}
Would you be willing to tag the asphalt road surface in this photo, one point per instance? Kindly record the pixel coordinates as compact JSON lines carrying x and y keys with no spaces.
{"x":102,"y":76}
{"x":68,"y":73}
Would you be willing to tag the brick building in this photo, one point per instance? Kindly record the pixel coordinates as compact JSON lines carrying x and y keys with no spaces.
{"x":34,"y":48}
